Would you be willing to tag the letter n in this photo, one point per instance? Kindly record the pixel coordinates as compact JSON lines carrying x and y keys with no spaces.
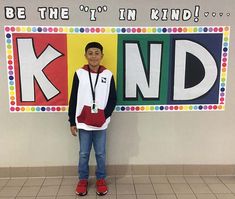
{"x":138,"y":77}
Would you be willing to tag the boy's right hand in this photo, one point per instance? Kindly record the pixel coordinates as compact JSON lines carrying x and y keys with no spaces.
{"x":73,"y":130}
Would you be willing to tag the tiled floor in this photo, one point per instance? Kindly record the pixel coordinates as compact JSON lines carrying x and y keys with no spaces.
{"x":123,"y":187}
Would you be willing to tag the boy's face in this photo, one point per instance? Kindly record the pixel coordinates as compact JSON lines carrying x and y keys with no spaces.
{"x":94,"y":56}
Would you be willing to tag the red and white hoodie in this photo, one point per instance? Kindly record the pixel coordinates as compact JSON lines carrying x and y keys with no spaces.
{"x":81,"y":99}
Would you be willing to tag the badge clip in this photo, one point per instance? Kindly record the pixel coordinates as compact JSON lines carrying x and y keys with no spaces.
{"x":94,"y":108}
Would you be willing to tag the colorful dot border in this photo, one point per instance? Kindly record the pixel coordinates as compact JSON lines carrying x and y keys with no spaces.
{"x":161,"y":108}
{"x":225,"y":30}
{"x":115,"y":30}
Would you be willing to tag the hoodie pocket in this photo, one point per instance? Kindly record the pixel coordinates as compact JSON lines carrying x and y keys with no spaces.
{"x":91,"y":119}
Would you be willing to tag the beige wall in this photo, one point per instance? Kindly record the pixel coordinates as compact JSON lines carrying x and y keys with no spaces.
{"x":43,"y":139}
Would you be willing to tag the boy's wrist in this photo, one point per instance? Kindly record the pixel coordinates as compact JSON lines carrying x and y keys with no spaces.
{"x":72,"y":124}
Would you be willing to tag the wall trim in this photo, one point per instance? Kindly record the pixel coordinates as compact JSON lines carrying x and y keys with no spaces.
{"x":50,"y":171}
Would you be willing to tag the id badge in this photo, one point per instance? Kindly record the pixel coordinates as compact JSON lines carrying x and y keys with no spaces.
{"x":94,"y":108}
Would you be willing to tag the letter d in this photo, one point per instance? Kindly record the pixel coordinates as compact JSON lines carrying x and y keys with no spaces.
{"x":181,"y":48}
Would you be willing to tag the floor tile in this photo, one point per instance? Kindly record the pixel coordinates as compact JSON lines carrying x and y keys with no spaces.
{"x":159,"y":179}
{"x":52,"y":181}
{"x":3,"y":182}
{"x":205,"y":196}
{"x":48,"y":191}
{"x":91,"y":190}
{"x":163,"y":188}
{"x":225,"y":196}
{"x":181,"y":188}
{"x":16,"y":182}
{"x":219,"y":188}
{"x":231,"y":187}
{"x":29,"y":191}
{"x":66,"y":191}
{"x":11,"y":198}
{"x":227,"y":179}
{"x":112,"y":189}
{"x":144,"y":189}
{"x":66,"y":197}
{"x":141,"y":179}
{"x":124,"y":180}
{"x":9,"y":191}
{"x":84,"y":197}
{"x":186,"y":196}
{"x":107,"y":197}
{"x":176,"y":179}
{"x":211,"y":179}
{"x":111,"y":180}
{"x":69,"y":181}
{"x":122,"y":187}
{"x":34,"y":182}
{"x":125,"y":189}
{"x":146,"y":197}
{"x":91,"y":180}
{"x":193,"y":179}
{"x":126,"y":196}
{"x":166,"y":196}
{"x":200,"y":188}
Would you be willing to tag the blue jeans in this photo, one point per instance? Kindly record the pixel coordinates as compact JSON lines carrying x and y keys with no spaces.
{"x":98,"y":139}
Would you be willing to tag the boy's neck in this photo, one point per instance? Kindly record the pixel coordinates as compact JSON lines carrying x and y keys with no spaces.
{"x":94,"y":68}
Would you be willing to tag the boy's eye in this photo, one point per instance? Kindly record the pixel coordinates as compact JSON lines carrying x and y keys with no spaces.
{"x":90,"y":53}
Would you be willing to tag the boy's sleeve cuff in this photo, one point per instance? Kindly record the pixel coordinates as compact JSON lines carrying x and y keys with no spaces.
{"x":72,"y":124}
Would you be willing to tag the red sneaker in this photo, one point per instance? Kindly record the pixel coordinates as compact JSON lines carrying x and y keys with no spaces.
{"x":81,"y":189}
{"x":101,"y":187}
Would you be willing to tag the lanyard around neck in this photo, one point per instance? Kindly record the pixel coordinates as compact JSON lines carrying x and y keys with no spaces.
{"x":96,"y":81}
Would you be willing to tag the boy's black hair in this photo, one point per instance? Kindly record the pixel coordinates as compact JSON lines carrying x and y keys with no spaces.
{"x":94,"y":45}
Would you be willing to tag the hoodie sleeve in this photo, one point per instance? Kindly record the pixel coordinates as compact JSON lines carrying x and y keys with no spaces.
{"x":112,"y":100}
{"x":73,"y":100}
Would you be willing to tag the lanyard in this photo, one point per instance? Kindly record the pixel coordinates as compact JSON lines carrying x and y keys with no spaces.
{"x":93,"y":89}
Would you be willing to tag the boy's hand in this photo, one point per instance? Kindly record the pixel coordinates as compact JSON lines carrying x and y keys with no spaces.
{"x":73,"y":130}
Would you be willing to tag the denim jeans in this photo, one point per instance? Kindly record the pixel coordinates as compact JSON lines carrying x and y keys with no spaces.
{"x":98,"y":139}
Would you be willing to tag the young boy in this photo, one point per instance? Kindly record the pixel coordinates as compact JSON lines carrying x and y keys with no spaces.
{"x":92,"y":101}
